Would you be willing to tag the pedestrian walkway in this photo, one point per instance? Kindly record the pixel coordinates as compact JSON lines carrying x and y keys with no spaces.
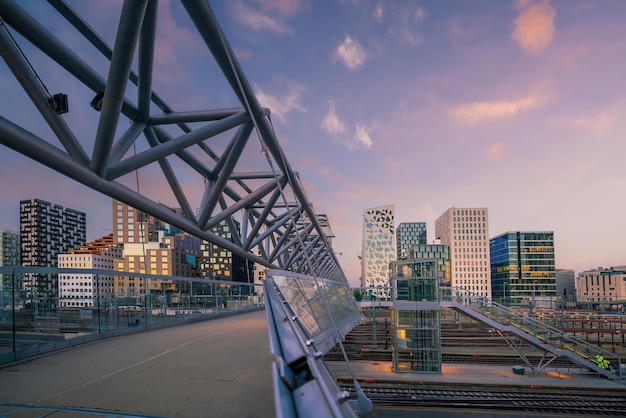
{"x":219,"y":368}
{"x":216,"y":368}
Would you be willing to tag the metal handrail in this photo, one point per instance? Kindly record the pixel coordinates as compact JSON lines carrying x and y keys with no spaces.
{"x":542,"y":331}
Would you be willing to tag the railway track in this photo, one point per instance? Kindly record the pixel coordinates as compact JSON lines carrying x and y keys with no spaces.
{"x":355,"y":354}
{"x":513,"y":399}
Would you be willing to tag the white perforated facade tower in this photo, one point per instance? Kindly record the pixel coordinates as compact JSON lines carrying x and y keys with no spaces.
{"x":466,"y":232}
{"x":378,"y":246}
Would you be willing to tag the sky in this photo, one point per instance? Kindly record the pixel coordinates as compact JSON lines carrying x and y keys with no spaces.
{"x":517,"y":106}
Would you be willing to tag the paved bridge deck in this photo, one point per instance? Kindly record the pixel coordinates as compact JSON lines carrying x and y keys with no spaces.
{"x":217,"y":368}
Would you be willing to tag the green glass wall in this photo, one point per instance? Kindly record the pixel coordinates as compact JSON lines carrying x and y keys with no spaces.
{"x":415,"y":316}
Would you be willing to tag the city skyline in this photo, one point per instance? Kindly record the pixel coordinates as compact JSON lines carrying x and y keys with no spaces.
{"x":510,"y":105}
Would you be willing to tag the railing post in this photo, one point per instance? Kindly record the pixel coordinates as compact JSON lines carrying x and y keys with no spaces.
{"x":14,"y":333}
{"x":98,"y":304}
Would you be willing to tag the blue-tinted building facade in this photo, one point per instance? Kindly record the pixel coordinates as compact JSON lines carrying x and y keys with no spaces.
{"x":408,"y":235}
{"x":522,"y":267}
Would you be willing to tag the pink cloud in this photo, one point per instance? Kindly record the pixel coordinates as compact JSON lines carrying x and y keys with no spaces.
{"x":494,"y":151}
{"x":351,"y":53}
{"x":286,"y":8}
{"x":534,"y":27}
{"x":267,"y":15}
{"x":476,"y":111}
{"x":331,"y":123}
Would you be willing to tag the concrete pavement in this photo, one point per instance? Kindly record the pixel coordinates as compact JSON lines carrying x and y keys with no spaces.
{"x":216,"y":368}
{"x":478,"y":374}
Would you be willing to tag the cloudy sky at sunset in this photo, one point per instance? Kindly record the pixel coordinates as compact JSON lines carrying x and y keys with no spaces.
{"x":517,"y":106}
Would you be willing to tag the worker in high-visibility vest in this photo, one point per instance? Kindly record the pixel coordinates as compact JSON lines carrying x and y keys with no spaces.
{"x":602,"y":362}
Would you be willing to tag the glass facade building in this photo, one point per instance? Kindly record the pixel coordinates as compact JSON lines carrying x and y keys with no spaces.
{"x":416,"y":325}
{"x":438,"y":252}
{"x":566,"y":285}
{"x":408,"y":235}
{"x":522,"y":267}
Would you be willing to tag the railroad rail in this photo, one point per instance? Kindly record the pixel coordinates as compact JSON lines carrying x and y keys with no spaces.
{"x":447,"y":358}
{"x":544,"y":400}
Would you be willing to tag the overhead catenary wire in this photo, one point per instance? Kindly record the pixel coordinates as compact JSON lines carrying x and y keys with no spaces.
{"x":19,"y":49}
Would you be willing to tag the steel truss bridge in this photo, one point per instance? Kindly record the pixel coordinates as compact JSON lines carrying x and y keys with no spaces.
{"x":125,"y":125}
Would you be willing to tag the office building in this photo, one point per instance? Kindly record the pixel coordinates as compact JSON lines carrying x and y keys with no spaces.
{"x":83,"y":290}
{"x":602,"y":285}
{"x":565,"y":285}
{"x":522,"y":268}
{"x":408,"y":235}
{"x":47,"y":230}
{"x":378,"y":248}
{"x":152,"y":246}
{"x":434,"y":252}
{"x":9,"y":255}
{"x":465,"y":231}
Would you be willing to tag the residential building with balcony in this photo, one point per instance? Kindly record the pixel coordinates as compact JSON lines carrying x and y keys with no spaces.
{"x":84,"y":290}
{"x":47,"y":230}
{"x":9,"y":256}
{"x":152,"y":246}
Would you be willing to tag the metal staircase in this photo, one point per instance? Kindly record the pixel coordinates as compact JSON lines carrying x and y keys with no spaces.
{"x":512,"y":325}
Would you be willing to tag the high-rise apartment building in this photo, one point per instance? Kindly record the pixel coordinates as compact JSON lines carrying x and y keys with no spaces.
{"x":602,"y":284}
{"x":378,"y":247}
{"x":466,"y":232}
{"x":408,"y":235}
{"x":146,"y":258}
{"x":300,"y":240}
{"x":47,"y":230}
{"x":82,"y":290}
{"x":221,"y":264}
{"x":9,"y":255}
{"x":134,"y":226}
{"x":152,"y":246}
{"x":322,"y":219}
{"x":522,"y":267}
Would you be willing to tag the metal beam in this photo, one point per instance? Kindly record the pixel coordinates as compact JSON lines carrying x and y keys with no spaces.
{"x":269,"y":210}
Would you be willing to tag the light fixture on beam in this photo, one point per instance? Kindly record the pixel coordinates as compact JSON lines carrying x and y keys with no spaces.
{"x":96,"y":102}
{"x":58,"y":103}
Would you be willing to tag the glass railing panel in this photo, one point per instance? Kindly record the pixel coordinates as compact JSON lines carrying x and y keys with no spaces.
{"x":321,"y":306}
{"x":301,"y":297}
{"x":32,"y":324}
